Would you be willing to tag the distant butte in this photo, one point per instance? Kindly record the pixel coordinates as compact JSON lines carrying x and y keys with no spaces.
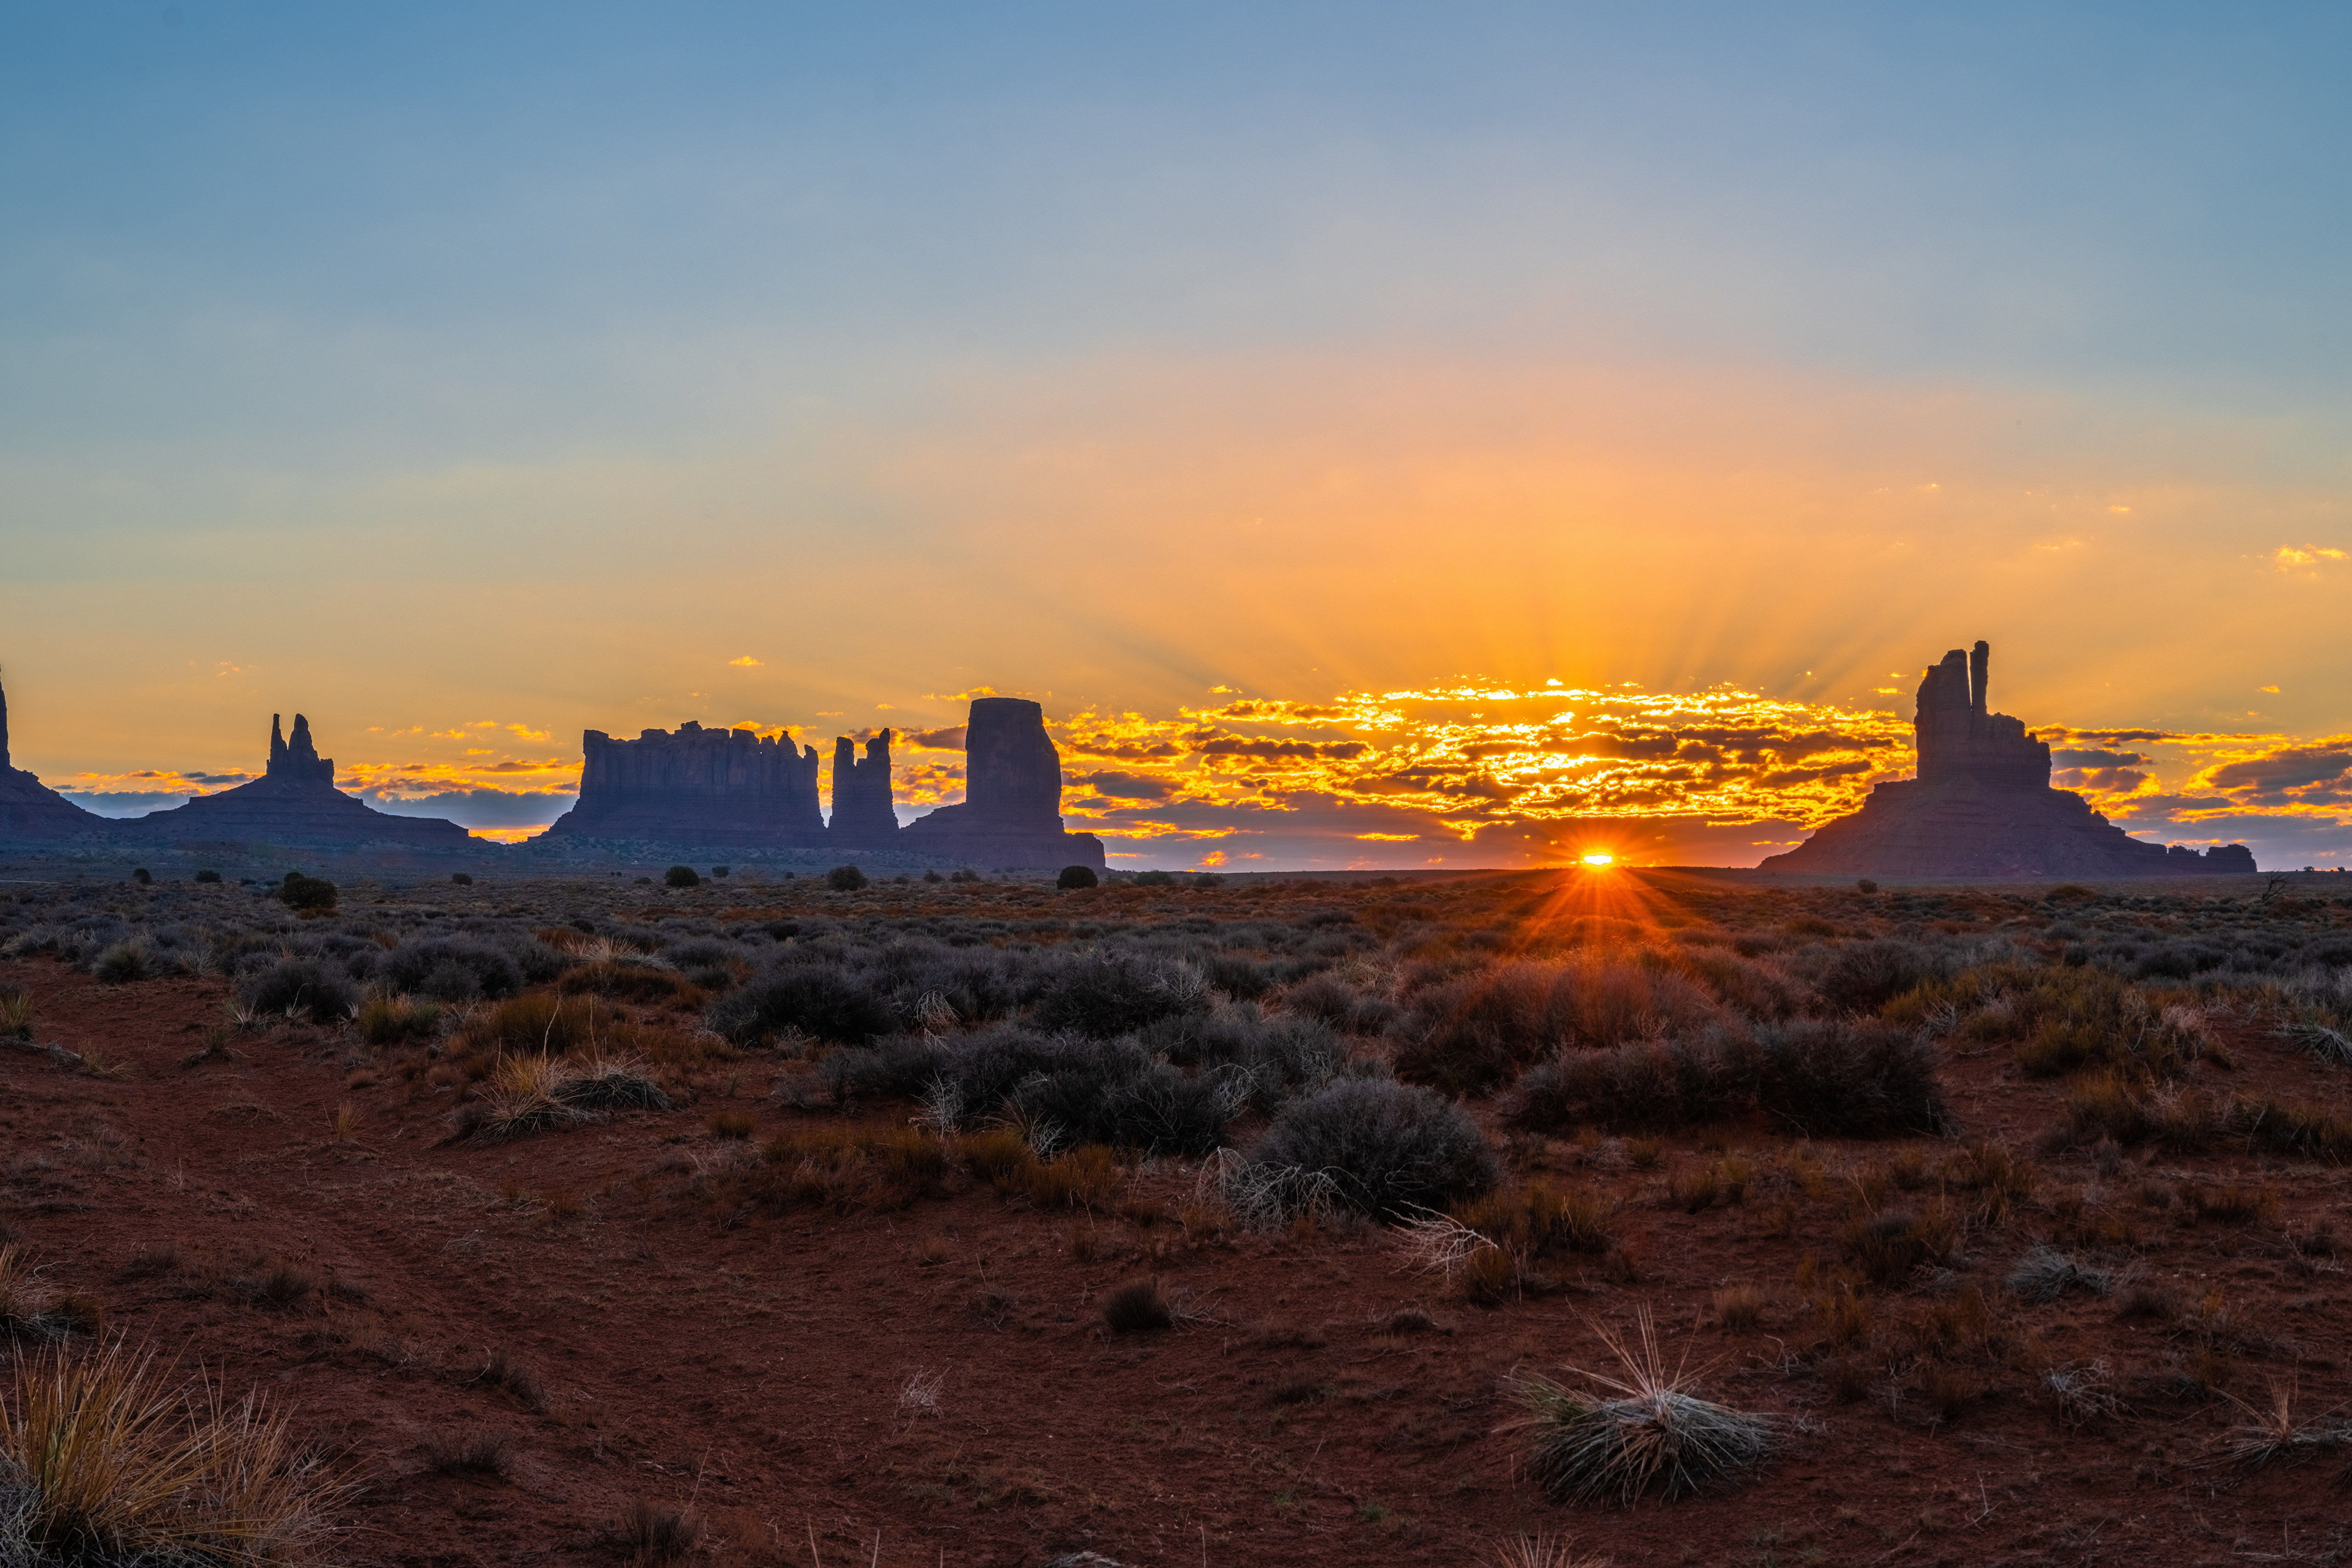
{"x":1011,"y":811}
{"x":719,"y":787}
{"x":31,"y":812}
{"x":294,"y":803}
{"x":1982,"y":806}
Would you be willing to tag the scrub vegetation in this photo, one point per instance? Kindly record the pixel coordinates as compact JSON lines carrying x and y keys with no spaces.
{"x":1631,"y":1188}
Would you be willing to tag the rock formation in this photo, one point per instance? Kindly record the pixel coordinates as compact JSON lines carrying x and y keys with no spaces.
{"x":31,"y":812}
{"x":697,"y":786}
{"x":1982,"y":806}
{"x":862,"y":818}
{"x":1011,"y":811}
{"x":294,"y":803}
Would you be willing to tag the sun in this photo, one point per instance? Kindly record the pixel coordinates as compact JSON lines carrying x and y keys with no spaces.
{"x":1599,"y":858}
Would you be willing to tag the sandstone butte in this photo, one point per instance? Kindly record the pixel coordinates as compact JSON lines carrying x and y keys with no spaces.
{"x":294,"y":803}
{"x":1982,"y":806}
{"x":716,"y":787}
{"x":31,"y":812}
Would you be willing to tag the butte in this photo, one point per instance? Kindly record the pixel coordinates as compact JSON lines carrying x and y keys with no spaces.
{"x":1982,"y":806}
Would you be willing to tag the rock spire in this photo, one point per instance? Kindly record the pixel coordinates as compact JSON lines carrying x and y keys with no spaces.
{"x":1012,"y":812}
{"x":1982,"y":806}
{"x":293,"y":804}
{"x":862,"y":818}
{"x":31,"y":812}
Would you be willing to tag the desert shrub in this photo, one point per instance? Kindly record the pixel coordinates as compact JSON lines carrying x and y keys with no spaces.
{"x":106,"y":1458}
{"x":1390,"y":1147}
{"x":1640,"y":1431}
{"x":2045,"y":1274}
{"x":461,"y":879}
{"x":1108,"y":994}
{"x":472,"y":1451}
{"x":1075,"y":877}
{"x":300,"y":985}
{"x":1864,"y":977}
{"x":1331,"y":1001}
{"x":1889,"y":1247}
{"x":1136,"y":1308}
{"x":1471,"y":1034}
{"x":207,"y":875}
{"x":846,"y":1169}
{"x":1829,"y":1077}
{"x":388,"y":1020}
{"x":2288,"y":1127}
{"x":1110,"y":1097}
{"x":538,"y":1023}
{"x":637,"y":978}
{"x":125,"y":962}
{"x":300,"y":892}
{"x":452,"y":969}
{"x":844,"y":879}
{"x":653,"y":1533}
{"x":1539,"y":1220}
{"x":529,"y":1093}
{"x":681,"y":877}
{"x":1820,"y":1077}
{"x":898,"y":1067}
{"x":15,"y":1012}
{"x":817,"y":997}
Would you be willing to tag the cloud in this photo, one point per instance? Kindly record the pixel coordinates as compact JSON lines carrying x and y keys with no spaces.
{"x":2304,"y":557}
{"x":746,"y":662}
{"x":1129,"y":786}
{"x":482,"y":807}
{"x":2077,"y":758}
{"x":950,"y":739}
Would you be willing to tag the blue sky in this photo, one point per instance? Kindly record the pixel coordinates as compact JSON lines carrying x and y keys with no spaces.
{"x":433,"y":364}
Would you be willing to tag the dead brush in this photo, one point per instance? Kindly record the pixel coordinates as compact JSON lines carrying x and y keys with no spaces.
{"x":1646,"y":1432}
{"x":16,"y":1013}
{"x":2272,"y":1434}
{"x":1890,"y":1246}
{"x":1539,"y":1220}
{"x":2084,"y":1395}
{"x":2045,"y":1274}
{"x":874,"y":1170}
{"x":1540,"y":1552}
{"x":109,"y":1458}
{"x":651,"y":1533}
{"x":472,"y":1451}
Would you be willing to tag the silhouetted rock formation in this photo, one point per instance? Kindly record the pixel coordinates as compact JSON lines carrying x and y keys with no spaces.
{"x":1012,"y":810}
{"x":862,"y":818}
{"x":293,"y":803}
{"x":1982,"y":806}
{"x":697,"y":786}
{"x":31,"y":812}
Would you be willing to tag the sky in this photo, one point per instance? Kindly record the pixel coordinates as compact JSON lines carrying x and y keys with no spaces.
{"x":1379,"y":435}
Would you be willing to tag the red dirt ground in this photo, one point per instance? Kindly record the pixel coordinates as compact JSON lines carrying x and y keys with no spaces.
{"x":755,"y":1374}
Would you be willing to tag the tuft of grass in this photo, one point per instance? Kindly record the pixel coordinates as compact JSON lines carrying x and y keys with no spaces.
{"x":1646,"y":1433}
{"x":2272,"y":1434}
{"x":502,"y":1371}
{"x":1489,"y":1275}
{"x":1138,"y":1307}
{"x":650,"y":1532}
{"x":109,"y":1459}
{"x":1740,"y":1307}
{"x":1540,"y":1552}
{"x":732,"y":1124}
{"x":1893,"y":1245}
{"x":16,"y":1013}
{"x":2044,"y":1274}
{"x":473,"y":1451}
{"x":2086,"y":1395}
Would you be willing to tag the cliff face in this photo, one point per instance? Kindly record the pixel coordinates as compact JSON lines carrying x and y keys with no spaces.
{"x":862,"y":818}
{"x":294,"y":803}
{"x":31,"y":812}
{"x":1012,"y":812}
{"x":697,"y":786}
{"x":1982,"y":806}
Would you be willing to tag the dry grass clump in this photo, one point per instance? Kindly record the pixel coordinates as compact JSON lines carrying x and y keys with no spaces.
{"x":1740,"y":1307}
{"x":1138,"y":1307}
{"x":390,"y":1020}
{"x":848,"y":1169}
{"x":16,"y":1013}
{"x":2045,"y":1274}
{"x":1648,"y":1432}
{"x":106,"y":1457}
{"x":2086,"y":1395}
{"x":1541,"y":1552}
{"x":473,"y":1451}
{"x":1890,"y":1246}
{"x":1083,"y":1177}
{"x":650,"y":1532}
{"x":532,"y":1093}
{"x":2273,"y":1434}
